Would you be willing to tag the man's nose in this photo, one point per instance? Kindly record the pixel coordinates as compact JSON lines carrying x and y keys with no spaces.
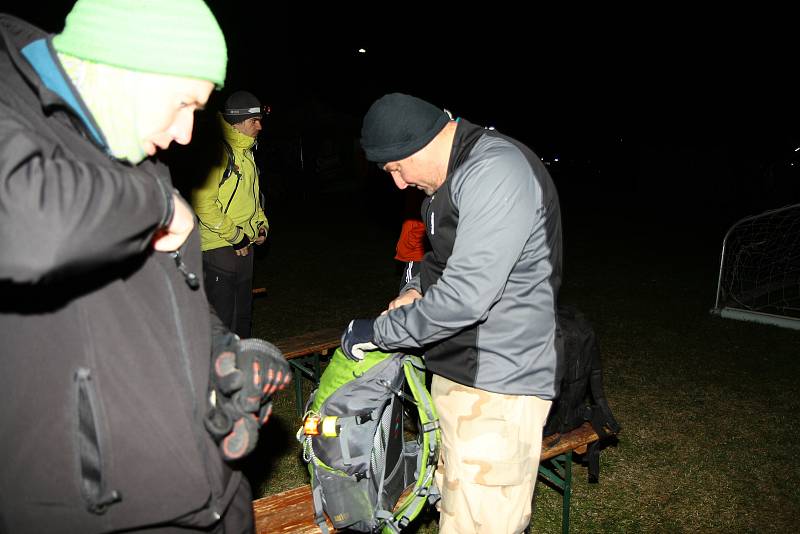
{"x":181,"y":129}
{"x":399,"y":182}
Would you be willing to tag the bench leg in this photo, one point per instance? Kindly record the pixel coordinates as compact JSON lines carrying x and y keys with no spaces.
{"x":558,"y":471}
{"x":565,"y":498}
{"x":298,"y":396}
{"x":307,"y":367}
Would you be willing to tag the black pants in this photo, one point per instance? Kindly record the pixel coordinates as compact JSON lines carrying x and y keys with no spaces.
{"x":228,"y":280}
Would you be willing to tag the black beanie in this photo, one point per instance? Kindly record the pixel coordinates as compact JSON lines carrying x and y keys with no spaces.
{"x":399,"y":125}
{"x":240,"y":106}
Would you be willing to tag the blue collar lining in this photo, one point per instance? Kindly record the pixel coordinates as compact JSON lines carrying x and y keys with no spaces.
{"x":38,"y":55}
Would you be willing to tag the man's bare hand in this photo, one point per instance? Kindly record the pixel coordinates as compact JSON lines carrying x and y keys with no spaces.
{"x":406,"y":298}
{"x":172,"y":237}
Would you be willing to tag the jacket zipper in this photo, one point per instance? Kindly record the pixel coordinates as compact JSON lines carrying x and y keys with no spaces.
{"x":255,"y":203}
{"x":255,"y":200}
{"x":185,"y":360}
{"x":90,"y":451}
{"x":228,"y":205}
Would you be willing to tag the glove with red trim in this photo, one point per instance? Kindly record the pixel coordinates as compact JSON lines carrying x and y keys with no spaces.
{"x":245,"y":375}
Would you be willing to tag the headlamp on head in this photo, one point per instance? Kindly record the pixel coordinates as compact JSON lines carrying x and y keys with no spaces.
{"x":243,"y":105}
{"x":242,"y":112}
{"x":239,"y":112}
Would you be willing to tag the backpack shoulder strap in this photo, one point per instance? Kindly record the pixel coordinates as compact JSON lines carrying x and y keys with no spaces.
{"x":424,"y":490}
{"x":319,"y":515}
{"x":602,"y":420}
{"x":415,"y":376}
{"x":231,"y":167}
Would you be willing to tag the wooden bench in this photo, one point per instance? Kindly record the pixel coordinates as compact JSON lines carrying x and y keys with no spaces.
{"x":555,"y":463}
{"x":292,"y":511}
{"x":303,"y":353}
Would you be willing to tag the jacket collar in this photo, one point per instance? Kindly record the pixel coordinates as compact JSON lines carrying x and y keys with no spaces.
{"x":234,"y":137}
{"x":31,"y":51}
{"x":467,"y":134}
{"x":16,"y":34}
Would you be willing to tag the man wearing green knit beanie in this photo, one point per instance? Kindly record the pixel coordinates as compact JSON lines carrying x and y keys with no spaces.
{"x":108,"y":338}
{"x":118,"y":56}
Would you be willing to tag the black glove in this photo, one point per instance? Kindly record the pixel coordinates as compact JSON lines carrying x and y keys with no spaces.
{"x":245,"y":374}
{"x":358,"y":338}
{"x":235,"y":432}
{"x":243,"y":243}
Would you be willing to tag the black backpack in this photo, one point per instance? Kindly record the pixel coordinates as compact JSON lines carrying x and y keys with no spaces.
{"x":581,"y":397}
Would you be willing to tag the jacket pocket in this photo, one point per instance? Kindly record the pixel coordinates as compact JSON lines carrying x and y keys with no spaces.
{"x":89,"y":447}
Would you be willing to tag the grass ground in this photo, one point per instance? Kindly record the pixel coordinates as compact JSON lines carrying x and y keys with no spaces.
{"x":706,"y":404}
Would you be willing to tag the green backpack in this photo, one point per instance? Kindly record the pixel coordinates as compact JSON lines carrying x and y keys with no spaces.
{"x":371,"y":468}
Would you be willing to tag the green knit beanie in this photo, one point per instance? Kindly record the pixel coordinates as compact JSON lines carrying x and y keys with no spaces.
{"x":175,"y":37}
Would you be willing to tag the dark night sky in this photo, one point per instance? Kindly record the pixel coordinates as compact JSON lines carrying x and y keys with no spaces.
{"x":677,"y":76}
{"x":681,"y":74}
{"x":722,"y":83}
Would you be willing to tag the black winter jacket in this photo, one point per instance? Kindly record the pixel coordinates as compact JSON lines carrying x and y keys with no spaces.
{"x":104,"y":347}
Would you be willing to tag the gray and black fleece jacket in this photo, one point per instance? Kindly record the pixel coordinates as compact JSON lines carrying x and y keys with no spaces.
{"x":490,"y":281}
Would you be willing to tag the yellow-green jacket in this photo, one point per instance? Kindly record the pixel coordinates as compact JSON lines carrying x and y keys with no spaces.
{"x":232,"y":209}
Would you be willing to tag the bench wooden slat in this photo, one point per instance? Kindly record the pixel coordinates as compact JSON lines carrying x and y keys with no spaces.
{"x":575,"y":440}
{"x":303,"y":353}
{"x":289,"y":511}
{"x":319,"y":341}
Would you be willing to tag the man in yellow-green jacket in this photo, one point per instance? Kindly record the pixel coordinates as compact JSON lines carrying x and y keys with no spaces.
{"x":232,"y":220}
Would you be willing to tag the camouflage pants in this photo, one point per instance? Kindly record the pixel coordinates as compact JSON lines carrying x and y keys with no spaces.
{"x":489,"y":460}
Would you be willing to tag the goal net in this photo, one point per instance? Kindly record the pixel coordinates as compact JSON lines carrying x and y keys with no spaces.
{"x":759,"y":273}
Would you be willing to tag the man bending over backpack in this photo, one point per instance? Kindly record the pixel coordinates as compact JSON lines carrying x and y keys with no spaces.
{"x":483,"y":306}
